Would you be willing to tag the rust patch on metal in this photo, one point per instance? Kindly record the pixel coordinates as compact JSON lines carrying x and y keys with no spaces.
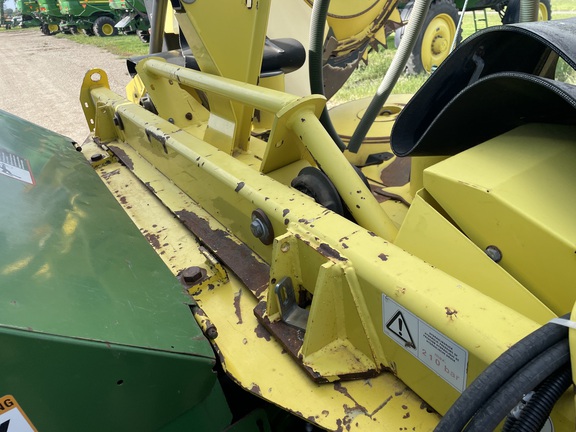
{"x":353,"y":411}
{"x":262,"y":333}
{"x":397,"y":173}
{"x":383,"y":257}
{"x":153,"y":240}
{"x":239,"y":187}
{"x":123,"y":200}
{"x":122,"y":156}
{"x":330,"y":252}
{"x":237,"y":297}
{"x":237,"y":257}
{"x":107,"y":175}
{"x":451,"y":313}
{"x":382,"y":195}
{"x":150,"y":188}
{"x":256,"y":389}
{"x":285,"y":212}
{"x":292,"y":340}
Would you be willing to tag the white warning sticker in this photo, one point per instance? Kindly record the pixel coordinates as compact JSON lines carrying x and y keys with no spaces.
{"x":439,"y":353}
{"x":12,"y":418}
{"x":15,"y":167}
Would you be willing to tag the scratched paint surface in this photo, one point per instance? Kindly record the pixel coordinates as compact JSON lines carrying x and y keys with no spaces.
{"x":250,"y":355}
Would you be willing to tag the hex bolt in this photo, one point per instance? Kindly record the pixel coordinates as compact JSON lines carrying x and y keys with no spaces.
{"x":494,"y":253}
{"x":261,"y":227}
{"x":171,"y":120}
{"x":191,"y":275}
{"x":188,"y":116}
{"x":257,"y":227}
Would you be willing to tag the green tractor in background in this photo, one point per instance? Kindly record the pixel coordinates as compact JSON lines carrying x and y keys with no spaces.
{"x":133,"y":18}
{"x":27,"y":17}
{"x":50,"y":16}
{"x":437,"y":39}
{"x":93,"y":17}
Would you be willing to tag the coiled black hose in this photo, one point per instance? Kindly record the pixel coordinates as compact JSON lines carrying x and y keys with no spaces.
{"x":497,"y":373}
{"x":521,"y":383}
{"x":534,"y":415}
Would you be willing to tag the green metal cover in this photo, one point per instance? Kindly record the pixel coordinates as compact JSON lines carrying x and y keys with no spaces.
{"x":95,"y":330}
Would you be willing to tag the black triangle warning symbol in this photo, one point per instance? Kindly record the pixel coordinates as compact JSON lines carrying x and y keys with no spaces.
{"x":397,"y":325}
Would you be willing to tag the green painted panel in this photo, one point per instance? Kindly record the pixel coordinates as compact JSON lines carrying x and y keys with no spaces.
{"x":72,"y":263}
{"x":65,"y":384}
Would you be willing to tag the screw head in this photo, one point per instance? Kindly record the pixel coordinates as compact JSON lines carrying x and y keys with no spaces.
{"x":257,"y":228}
{"x":494,"y":253}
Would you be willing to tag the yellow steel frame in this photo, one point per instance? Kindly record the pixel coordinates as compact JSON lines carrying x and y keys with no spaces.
{"x":317,"y":248}
{"x":203,"y":166}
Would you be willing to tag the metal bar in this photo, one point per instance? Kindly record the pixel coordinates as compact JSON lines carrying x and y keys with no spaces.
{"x":357,"y":196}
{"x":157,"y":26}
{"x":258,"y":97}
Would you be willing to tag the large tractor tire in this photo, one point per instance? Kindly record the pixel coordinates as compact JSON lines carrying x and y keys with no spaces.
{"x":143,"y":35}
{"x":88,"y":32}
{"x":512,"y":14}
{"x":104,"y":26}
{"x":44,"y":30}
{"x":49,"y":29}
{"x":436,"y":38}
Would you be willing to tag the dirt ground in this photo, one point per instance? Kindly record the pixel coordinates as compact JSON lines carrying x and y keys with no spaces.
{"x":41,"y":76}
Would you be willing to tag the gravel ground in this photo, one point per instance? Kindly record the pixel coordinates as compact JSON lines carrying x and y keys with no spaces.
{"x":41,"y":76}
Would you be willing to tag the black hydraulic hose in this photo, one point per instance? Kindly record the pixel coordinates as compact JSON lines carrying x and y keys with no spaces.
{"x":524,"y":381}
{"x":497,"y":373}
{"x":534,"y":415}
{"x":316,"y":62}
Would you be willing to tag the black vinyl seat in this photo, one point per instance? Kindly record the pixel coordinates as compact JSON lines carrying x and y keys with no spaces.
{"x":280,"y":55}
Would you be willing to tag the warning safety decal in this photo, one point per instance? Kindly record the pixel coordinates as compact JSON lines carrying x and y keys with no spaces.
{"x":12,"y":417}
{"x":14,"y":166}
{"x":439,"y":353}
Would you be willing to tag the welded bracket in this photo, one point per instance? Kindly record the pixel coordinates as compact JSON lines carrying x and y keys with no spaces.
{"x":290,"y":312}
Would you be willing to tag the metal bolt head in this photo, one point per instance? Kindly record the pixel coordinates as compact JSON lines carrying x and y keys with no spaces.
{"x":191,"y":274}
{"x":257,"y":228}
{"x":261,"y":227}
{"x":494,"y":253}
{"x":96,"y":157}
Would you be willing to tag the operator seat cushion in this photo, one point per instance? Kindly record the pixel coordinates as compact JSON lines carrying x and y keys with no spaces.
{"x":280,"y":55}
{"x":496,"y":80}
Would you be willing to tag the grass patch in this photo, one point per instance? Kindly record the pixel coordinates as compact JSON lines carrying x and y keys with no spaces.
{"x":122,"y":45}
{"x":365,"y":80}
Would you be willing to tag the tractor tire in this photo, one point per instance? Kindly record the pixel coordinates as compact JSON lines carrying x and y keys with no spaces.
{"x":143,"y":35}
{"x":104,"y":27}
{"x":512,"y":13}
{"x":436,"y":38}
{"x":49,"y":29}
{"x":88,"y":32}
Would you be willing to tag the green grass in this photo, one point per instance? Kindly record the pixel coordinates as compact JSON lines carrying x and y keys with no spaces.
{"x":122,"y":45}
{"x":365,"y":80}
